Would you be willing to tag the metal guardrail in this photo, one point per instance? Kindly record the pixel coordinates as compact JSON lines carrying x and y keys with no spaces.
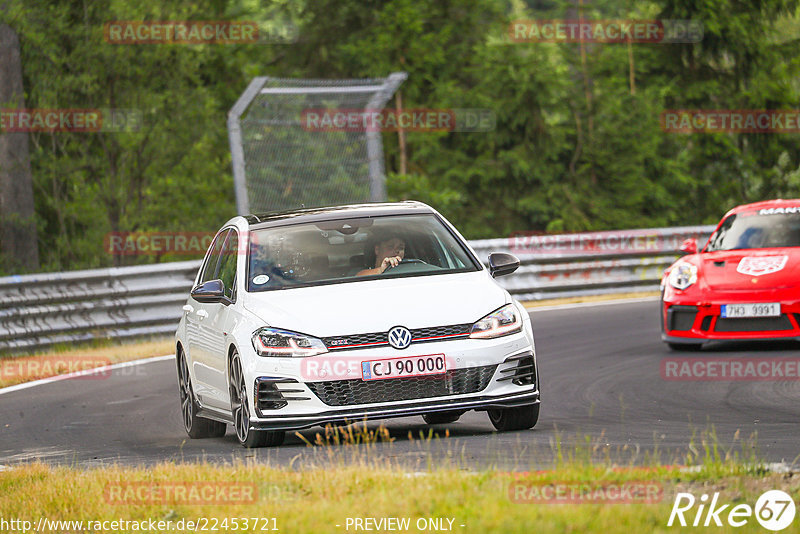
{"x":596,"y":263}
{"x":42,"y":310}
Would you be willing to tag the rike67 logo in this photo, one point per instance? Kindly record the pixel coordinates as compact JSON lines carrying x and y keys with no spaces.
{"x":774,"y":510}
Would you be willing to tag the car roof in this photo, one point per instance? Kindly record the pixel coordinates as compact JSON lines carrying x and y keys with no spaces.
{"x":776,"y":203}
{"x":351,"y":211}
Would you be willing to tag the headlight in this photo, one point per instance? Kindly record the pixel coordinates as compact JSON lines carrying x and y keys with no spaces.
{"x":502,"y":322}
{"x":284,"y":344}
{"x":683,"y":275}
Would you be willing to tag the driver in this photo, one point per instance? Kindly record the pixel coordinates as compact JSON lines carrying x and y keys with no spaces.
{"x":389,"y":252}
{"x":753,"y":237}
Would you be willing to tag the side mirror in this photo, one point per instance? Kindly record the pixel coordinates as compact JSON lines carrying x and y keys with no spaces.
{"x":211,"y":291}
{"x":501,"y":263}
{"x":689,"y":246}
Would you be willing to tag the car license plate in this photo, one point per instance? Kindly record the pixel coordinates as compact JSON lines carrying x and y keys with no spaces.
{"x":432,"y":364}
{"x":735,"y":311}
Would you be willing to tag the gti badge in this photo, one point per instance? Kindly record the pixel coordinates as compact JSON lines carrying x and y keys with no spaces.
{"x":758,"y":265}
{"x":399,"y":337}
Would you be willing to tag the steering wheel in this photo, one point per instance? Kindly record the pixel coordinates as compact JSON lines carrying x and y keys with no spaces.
{"x":408,"y":262}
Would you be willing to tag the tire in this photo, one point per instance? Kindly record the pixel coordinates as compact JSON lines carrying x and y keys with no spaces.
{"x":196,"y":427}
{"x":521,"y":418}
{"x":685,"y":347}
{"x":442,"y":418}
{"x":240,"y":409}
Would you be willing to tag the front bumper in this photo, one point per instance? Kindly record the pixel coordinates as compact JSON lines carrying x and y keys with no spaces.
{"x":482,"y":375}
{"x":297,"y":422}
{"x":697,"y":321}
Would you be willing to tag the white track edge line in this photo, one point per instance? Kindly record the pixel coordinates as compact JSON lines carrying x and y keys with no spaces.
{"x":57,"y":378}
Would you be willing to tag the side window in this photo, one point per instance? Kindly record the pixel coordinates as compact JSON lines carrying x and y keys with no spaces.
{"x":227,"y":264}
{"x":210,"y":267}
{"x":717,"y":238}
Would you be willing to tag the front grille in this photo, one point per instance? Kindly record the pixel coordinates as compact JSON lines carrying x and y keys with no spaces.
{"x":418,"y":335}
{"x":755,"y":324}
{"x":351,"y":392}
{"x":437,"y":331}
{"x":343,"y":342}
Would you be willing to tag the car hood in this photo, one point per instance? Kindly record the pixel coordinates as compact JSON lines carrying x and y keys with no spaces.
{"x":737,"y":269}
{"x":377,"y":305}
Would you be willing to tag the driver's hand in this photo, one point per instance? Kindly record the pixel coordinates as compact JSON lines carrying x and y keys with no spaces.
{"x":389,"y":262}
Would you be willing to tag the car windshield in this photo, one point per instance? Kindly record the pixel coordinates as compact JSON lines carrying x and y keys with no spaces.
{"x":348,"y":250}
{"x":758,"y":229}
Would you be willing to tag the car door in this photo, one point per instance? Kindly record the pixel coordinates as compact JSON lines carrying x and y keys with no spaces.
{"x":197,"y":313}
{"x":218,"y":323}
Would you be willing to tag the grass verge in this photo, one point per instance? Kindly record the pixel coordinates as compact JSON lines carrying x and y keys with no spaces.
{"x":322,"y":499}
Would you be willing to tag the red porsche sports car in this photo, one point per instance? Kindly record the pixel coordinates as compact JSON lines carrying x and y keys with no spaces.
{"x":743,"y":285}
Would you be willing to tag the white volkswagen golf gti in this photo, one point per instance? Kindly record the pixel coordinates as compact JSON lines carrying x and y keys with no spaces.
{"x":334,"y":315}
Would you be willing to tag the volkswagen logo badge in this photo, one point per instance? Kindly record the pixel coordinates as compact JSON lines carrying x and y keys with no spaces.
{"x":399,"y":337}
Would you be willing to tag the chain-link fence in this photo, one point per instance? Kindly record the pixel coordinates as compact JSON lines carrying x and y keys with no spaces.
{"x":280,"y":163}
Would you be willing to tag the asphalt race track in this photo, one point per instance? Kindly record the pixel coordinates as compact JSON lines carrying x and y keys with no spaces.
{"x":600,"y":367}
